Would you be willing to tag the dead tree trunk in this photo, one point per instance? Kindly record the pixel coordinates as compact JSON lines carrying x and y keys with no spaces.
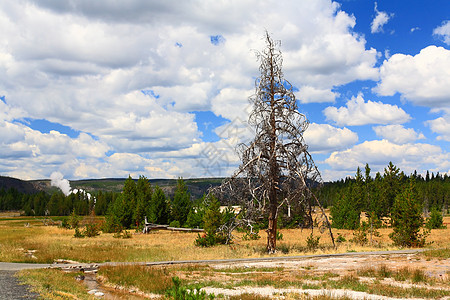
{"x":276,"y":167}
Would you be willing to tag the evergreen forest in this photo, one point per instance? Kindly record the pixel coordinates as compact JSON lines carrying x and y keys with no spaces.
{"x":377,"y":196}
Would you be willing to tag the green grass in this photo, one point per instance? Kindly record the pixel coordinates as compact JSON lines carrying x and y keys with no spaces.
{"x":54,"y":284}
{"x":247,"y":296}
{"x":248,"y":269}
{"x":393,"y":291}
{"x":310,"y":286}
{"x":414,"y":275}
{"x":147,"y":279}
{"x":319,"y":277}
{"x":437,"y":253}
{"x":350,"y":282}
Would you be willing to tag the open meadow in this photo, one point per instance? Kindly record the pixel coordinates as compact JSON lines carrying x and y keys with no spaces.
{"x":41,"y":240}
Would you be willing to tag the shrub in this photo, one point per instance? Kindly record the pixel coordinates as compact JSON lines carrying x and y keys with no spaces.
{"x":74,"y":220}
{"x":175,"y":223}
{"x":178,"y":292}
{"x":209,"y":240}
{"x":91,"y":230}
{"x":126,"y":235}
{"x":312,"y":243}
{"x":251,"y":233}
{"x":435,"y":220}
{"x":65,"y":223}
{"x":279,"y":236}
{"x":283,"y":248}
{"x":92,"y":227}
{"x":78,"y":233}
{"x":360,"y":235}
{"x":340,"y":239}
{"x":122,"y":234}
{"x":251,"y":236}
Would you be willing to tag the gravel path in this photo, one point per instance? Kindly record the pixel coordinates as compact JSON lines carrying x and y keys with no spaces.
{"x":10,"y":287}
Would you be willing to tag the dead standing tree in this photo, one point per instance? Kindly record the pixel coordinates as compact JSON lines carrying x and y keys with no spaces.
{"x":276,"y":167}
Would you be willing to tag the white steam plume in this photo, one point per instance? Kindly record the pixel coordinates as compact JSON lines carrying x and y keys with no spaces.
{"x":59,"y":181}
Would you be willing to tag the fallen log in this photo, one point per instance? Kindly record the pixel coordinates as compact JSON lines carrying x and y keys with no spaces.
{"x":149,"y":227}
{"x":185,"y":229}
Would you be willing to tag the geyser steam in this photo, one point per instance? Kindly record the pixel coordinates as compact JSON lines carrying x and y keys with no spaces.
{"x":59,"y":181}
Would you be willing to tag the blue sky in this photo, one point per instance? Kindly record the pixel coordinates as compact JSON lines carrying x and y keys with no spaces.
{"x":160,"y":88}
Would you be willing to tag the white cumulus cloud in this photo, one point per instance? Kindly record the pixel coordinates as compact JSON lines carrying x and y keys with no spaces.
{"x":309,"y":94}
{"x":441,"y":126}
{"x":443,"y":32}
{"x":377,"y":153}
{"x":422,"y":79}
{"x":359,"y":112}
{"x":324,"y":138}
{"x":397,"y":134}
{"x":381,"y":19}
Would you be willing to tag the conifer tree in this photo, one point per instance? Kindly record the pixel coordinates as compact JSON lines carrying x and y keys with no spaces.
{"x":159,"y":207}
{"x":392,"y":185}
{"x":143,"y":199}
{"x":213,"y":217}
{"x":406,"y":218}
{"x":181,"y":203}
{"x":128,"y":202}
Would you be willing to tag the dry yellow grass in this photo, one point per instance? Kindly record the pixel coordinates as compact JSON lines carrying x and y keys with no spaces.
{"x":51,"y":242}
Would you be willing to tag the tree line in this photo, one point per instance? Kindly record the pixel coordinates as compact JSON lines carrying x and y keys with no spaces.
{"x":433,"y":190}
{"x":56,"y":204}
{"x":127,"y":209}
{"x":379,"y":197}
{"x":392,"y":199}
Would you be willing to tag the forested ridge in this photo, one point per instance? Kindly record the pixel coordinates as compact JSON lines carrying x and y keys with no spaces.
{"x":347,"y":198}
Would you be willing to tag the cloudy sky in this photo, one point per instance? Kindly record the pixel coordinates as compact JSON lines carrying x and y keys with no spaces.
{"x":96,"y":89}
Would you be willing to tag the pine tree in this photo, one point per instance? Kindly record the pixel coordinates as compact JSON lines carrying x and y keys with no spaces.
{"x":359,"y":191}
{"x":344,"y":213}
{"x":143,"y":199}
{"x":392,"y":185}
{"x":128,"y":202}
{"x":181,"y":203}
{"x":213,"y":217}
{"x":406,"y":218}
{"x":159,"y":212}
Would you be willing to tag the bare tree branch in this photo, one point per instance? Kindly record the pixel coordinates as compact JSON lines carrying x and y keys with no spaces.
{"x":276,"y":167}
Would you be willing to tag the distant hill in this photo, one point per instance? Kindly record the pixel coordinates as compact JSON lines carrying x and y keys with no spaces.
{"x":197,"y":186}
{"x":26,"y":187}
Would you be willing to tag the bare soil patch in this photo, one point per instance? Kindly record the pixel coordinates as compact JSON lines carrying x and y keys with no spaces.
{"x":316,"y":277}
